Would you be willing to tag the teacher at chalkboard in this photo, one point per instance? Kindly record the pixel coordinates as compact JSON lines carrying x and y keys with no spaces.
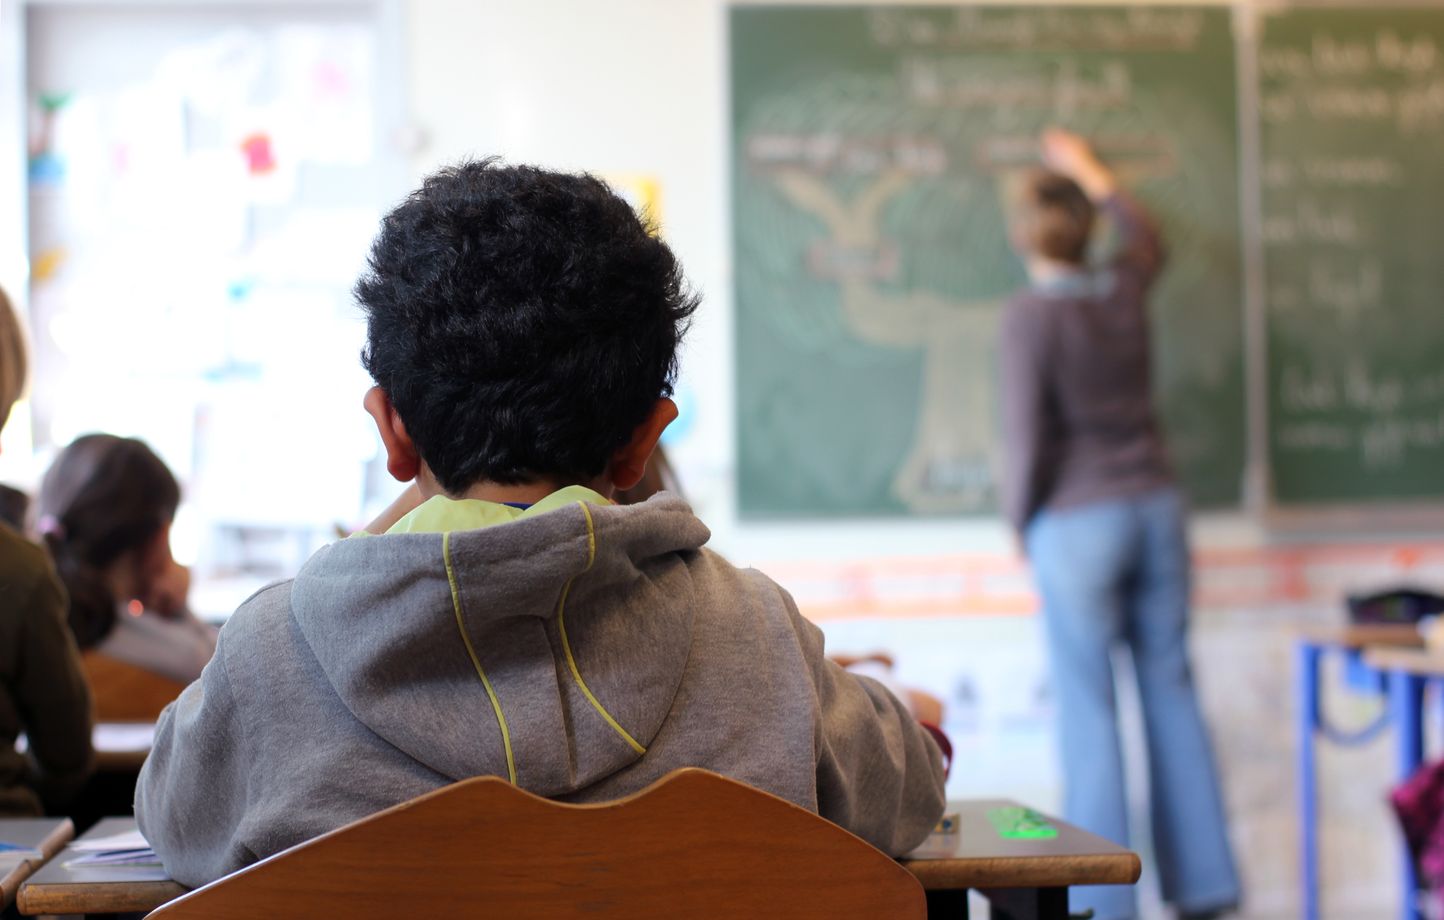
{"x":1090,"y":492}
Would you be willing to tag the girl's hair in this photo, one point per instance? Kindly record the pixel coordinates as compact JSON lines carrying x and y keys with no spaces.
{"x":103,"y":497}
{"x":12,"y":358}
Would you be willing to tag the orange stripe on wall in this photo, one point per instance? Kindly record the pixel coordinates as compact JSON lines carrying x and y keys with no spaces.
{"x":978,"y":584}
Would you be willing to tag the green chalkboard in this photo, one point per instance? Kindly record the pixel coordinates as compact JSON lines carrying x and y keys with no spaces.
{"x":872,"y":151}
{"x":1351,"y":113}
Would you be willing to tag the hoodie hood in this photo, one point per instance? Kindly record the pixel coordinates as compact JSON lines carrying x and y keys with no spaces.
{"x":547,"y":650}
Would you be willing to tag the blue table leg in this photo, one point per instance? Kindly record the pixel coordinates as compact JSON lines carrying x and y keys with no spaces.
{"x":1406,"y":704}
{"x":1307,"y":677}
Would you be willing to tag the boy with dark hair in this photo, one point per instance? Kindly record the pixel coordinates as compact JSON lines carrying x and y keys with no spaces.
{"x":513,"y":621}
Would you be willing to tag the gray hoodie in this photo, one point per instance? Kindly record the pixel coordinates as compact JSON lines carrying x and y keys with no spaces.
{"x":588,"y":651}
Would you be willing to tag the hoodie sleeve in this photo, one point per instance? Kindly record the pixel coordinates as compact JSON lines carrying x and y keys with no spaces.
{"x":193,"y":791}
{"x":52,"y":697}
{"x":879,"y":772}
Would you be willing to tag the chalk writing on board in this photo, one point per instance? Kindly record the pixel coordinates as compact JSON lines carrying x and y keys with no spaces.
{"x":876,"y":152}
{"x":1065,"y":91}
{"x":1377,"y":171}
{"x":1352,"y":116}
{"x":1040,"y":29}
{"x":952,"y":460}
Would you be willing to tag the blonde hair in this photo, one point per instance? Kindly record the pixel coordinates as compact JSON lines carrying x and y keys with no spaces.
{"x":13,"y":363}
{"x":1052,"y":217}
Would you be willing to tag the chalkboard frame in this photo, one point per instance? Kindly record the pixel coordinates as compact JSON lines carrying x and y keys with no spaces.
{"x":1217,"y":471}
{"x":1258,"y":501}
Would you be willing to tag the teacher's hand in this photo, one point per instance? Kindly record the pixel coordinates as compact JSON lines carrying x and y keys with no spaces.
{"x":1072,"y":155}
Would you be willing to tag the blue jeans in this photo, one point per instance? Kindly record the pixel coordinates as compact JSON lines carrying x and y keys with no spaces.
{"x":1116,"y":573}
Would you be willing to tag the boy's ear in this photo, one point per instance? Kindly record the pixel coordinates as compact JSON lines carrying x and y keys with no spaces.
{"x":629,"y":464}
{"x":403,"y":461}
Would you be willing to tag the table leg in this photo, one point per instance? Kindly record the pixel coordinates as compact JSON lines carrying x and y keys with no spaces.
{"x":1307,"y":695}
{"x":948,"y":905}
{"x":1027,"y":903}
{"x":1406,"y":704}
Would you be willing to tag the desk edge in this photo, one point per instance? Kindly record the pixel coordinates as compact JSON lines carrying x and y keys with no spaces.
{"x":1035,"y":872}
{"x":53,"y":843}
{"x":130,"y":897}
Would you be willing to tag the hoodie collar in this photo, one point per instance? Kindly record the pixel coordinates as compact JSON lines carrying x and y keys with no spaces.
{"x":440,"y":514}
{"x":554,"y":646}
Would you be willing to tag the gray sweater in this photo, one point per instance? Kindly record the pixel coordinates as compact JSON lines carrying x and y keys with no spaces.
{"x":1078,"y":419}
{"x":616,"y":649}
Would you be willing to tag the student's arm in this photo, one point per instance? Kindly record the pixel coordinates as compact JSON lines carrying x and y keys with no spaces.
{"x":53,"y":698}
{"x":879,"y":772}
{"x":193,"y":791}
{"x":1140,"y":254}
{"x":1024,"y":368}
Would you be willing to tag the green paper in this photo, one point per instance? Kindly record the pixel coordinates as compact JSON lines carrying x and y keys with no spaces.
{"x":1015,"y":823}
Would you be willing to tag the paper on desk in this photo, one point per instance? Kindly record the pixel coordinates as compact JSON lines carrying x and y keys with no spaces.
{"x":129,"y":840}
{"x":124,"y":736}
{"x":108,"y":737}
{"x":13,"y":854}
{"x":124,"y":849}
{"x":141,"y":857}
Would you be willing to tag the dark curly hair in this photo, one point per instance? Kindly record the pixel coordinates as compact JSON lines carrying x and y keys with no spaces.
{"x":522,"y":322}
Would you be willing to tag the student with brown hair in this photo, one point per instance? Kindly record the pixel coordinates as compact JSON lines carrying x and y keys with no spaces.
{"x":105,"y":511}
{"x":1091,"y":494}
{"x":42,"y":691}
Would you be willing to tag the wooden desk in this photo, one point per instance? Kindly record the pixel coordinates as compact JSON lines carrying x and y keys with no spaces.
{"x":123,"y":692}
{"x":977,"y":857}
{"x":1023,"y":878}
{"x":1364,"y":635}
{"x":1422,"y":662}
{"x":60,"y":889}
{"x":1358,"y":646}
{"x":48,"y":835}
{"x":1407,"y":671}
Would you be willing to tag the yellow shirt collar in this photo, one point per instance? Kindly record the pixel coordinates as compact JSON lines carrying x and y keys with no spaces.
{"x":440,"y":514}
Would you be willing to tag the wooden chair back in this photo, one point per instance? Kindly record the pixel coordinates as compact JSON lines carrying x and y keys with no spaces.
{"x":122,"y":692}
{"x":693,"y":844}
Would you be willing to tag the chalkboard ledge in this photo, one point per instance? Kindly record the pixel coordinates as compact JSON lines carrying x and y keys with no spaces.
{"x":1377,"y":520}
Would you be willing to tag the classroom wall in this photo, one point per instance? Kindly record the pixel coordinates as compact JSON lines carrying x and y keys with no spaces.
{"x":640,"y":87}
